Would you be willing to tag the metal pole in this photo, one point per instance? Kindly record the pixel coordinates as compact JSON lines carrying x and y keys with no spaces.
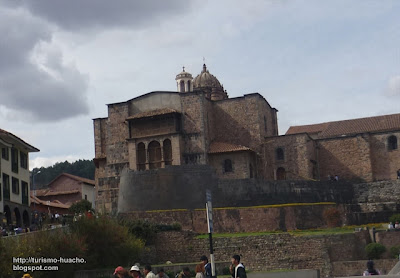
{"x":212,"y":261}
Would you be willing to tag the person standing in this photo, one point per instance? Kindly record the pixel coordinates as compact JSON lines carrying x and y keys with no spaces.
{"x":121,"y":272}
{"x":207,"y":266}
{"x":237,"y":268}
{"x":185,"y":273}
{"x":371,"y":269}
{"x":135,"y":271}
{"x":148,"y":273}
{"x":161,"y":274}
{"x":200,"y":271}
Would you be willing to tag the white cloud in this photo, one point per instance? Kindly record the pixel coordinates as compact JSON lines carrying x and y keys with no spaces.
{"x":50,"y":161}
{"x":393,"y":86}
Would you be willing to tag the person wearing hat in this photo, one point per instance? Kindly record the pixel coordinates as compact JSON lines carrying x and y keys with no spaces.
{"x":135,"y":271}
{"x":121,"y":272}
{"x":207,"y":266}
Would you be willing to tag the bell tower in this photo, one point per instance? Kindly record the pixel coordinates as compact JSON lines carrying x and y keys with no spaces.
{"x":184,"y":82}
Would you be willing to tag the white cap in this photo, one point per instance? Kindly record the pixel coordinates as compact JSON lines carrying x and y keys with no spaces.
{"x":135,"y":268}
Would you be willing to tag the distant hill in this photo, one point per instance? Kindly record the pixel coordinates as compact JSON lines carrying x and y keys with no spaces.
{"x":81,"y":168}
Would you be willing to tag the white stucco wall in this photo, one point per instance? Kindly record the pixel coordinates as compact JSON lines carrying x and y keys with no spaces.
{"x":88,"y":190}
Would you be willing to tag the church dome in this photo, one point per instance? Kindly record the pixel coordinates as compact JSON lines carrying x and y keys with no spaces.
{"x":206,"y":80}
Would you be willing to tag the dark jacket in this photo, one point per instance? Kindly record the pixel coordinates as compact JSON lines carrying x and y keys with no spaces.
{"x":241,"y":272}
{"x":207,"y":272}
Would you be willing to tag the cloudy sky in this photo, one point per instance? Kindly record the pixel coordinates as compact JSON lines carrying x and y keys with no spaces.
{"x":61,"y":61}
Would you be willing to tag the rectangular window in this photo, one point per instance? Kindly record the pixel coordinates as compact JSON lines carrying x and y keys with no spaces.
{"x":85,"y":197}
{"x":1,"y":192}
{"x":5,"y":153}
{"x":24,"y":160}
{"x":14,"y":160}
{"x":6,"y":187}
{"x":25,"y":192}
{"x":15,"y":185}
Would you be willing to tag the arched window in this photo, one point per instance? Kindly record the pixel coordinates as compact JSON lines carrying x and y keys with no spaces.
{"x":392,"y":143}
{"x":228,"y":166}
{"x":7,"y":214}
{"x":280,"y":154}
{"x":17,"y":217}
{"x":182,"y":86}
{"x":167,"y":149}
{"x":251,"y":170}
{"x":154,"y":150}
{"x":281,"y":173}
{"x":188,"y":86}
{"x":25,"y":219}
{"x":141,"y":157}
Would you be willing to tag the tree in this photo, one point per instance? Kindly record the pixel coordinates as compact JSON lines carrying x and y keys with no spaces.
{"x":81,"y":206}
{"x":375,"y":250}
{"x":80,"y":168}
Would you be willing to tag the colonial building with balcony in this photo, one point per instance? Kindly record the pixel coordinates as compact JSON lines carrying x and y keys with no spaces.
{"x":15,"y":180}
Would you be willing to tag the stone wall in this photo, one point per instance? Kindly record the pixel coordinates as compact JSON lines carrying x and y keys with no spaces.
{"x":184,"y":187}
{"x":356,"y":268}
{"x":377,"y":192}
{"x":241,"y":120}
{"x":241,"y":162}
{"x":347,"y":157}
{"x":250,"y":219}
{"x":264,"y":252}
{"x":299,"y":157}
{"x":389,"y":239}
{"x":385,"y":162}
{"x":194,"y":128}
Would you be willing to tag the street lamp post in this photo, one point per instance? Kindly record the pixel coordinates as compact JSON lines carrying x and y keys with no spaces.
{"x":34,"y":191}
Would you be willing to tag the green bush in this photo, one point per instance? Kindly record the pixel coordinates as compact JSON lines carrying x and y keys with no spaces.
{"x":226,"y":271}
{"x":375,"y":250}
{"x":48,"y":244}
{"x":81,"y":207}
{"x":108,"y":243}
{"x":166,"y":227}
{"x":101,"y":242}
{"x":394,"y":218}
{"x":394,"y":251}
{"x":146,"y":230}
{"x":140,"y":229}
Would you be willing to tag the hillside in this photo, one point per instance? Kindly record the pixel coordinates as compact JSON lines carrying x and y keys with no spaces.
{"x":81,"y":168}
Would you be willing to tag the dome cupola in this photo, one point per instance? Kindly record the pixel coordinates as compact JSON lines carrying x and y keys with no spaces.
{"x":184,"y":82}
{"x":208,"y":83}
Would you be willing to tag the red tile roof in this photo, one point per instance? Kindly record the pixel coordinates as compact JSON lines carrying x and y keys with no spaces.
{"x":56,"y":204}
{"x":48,"y":192}
{"x":316,"y":128}
{"x":222,"y":147}
{"x":349,"y":127}
{"x":88,"y":181}
{"x":152,"y":113}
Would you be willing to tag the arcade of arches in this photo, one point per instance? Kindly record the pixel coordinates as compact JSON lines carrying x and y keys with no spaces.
{"x":17,"y":216}
{"x":156,"y":155}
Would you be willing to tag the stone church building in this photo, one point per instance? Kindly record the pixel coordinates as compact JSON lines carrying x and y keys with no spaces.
{"x":163,"y":140}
